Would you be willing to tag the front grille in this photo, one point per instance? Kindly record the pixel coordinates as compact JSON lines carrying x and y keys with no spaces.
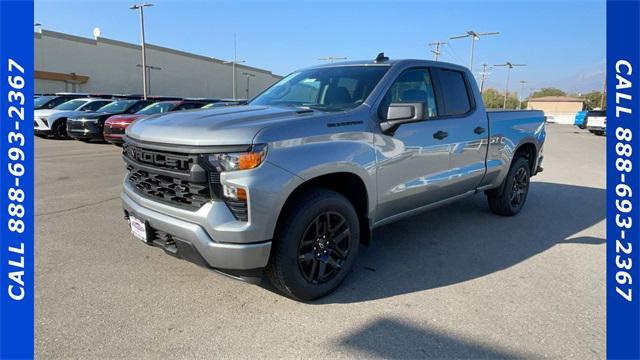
{"x":115,"y":130}
{"x":160,"y":159}
{"x":169,"y":177}
{"x":165,"y":188}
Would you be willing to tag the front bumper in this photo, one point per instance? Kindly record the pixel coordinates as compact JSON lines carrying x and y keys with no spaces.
{"x":83,"y":129}
{"x":191,"y":239}
{"x":217,"y":237}
{"x":41,"y":127}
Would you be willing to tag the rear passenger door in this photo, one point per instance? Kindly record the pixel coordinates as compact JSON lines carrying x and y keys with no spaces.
{"x":467,"y":127}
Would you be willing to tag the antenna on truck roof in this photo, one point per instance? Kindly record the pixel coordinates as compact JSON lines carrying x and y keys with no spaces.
{"x":380,"y":58}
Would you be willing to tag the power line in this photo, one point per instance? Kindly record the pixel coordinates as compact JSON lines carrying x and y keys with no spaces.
{"x":474,"y":36}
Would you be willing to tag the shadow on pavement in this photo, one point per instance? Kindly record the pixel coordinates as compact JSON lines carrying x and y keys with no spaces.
{"x":393,"y":339}
{"x":464,"y":241}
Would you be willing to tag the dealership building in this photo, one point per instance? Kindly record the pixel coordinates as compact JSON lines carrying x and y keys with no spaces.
{"x":69,"y":63}
{"x":557,"y":109}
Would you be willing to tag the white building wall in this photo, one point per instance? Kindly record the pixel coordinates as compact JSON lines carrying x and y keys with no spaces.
{"x":111,"y":68}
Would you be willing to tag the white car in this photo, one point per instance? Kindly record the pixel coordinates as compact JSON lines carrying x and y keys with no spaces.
{"x":54,"y":121}
{"x":596,"y":121}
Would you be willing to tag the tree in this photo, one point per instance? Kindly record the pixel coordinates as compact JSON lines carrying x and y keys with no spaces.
{"x":547,"y":92}
{"x":494,"y":99}
{"x":592,"y":100}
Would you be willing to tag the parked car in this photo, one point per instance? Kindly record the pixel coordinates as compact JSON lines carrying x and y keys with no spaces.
{"x":51,"y":101}
{"x":580,"y":119}
{"x":224,"y":102}
{"x":295,"y":180}
{"x":88,"y":126}
{"x":116,"y":125}
{"x":54,"y":121}
{"x":597,"y":121}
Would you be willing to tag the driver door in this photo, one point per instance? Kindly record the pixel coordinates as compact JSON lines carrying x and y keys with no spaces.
{"x":413,"y":159}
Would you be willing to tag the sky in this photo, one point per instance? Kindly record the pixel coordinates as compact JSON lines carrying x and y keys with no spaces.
{"x":562,"y":43}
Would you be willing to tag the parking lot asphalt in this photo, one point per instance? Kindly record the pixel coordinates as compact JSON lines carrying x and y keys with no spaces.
{"x":455,"y":282}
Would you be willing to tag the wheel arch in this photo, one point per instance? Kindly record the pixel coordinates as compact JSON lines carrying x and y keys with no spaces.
{"x":349,"y":185}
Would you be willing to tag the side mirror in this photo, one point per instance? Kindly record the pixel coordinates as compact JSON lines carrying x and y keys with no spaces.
{"x":402,"y":113}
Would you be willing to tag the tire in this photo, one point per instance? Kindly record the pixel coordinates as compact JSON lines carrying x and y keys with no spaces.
{"x":509,"y":199}
{"x":599,"y":133}
{"x":59,"y":129}
{"x":299,"y":254}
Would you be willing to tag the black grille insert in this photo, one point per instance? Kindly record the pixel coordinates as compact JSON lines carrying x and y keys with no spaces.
{"x":165,"y":188}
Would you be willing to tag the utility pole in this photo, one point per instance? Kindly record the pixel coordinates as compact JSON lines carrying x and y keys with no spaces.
{"x":144,"y":52}
{"x":331,"y":59}
{"x":233,"y":66}
{"x":484,"y":74}
{"x":249,"y":76}
{"x":474,"y":36}
{"x":604,"y":92}
{"x":522,"y":82}
{"x":509,"y":66}
{"x":436,"y":52}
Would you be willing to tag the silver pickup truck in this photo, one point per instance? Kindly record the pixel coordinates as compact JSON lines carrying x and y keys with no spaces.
{"x":293,"y":182}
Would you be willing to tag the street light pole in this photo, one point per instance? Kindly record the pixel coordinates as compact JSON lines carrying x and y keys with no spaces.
{"x":233,"y":67}
{"x":144,"y":52}
{"x":474,"y":36}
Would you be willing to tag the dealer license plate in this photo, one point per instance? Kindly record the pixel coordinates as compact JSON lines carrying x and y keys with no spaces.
{"x":138,"y":228}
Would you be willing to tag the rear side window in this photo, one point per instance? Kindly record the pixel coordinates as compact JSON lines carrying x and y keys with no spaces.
{"x":95,"y":105}
{"x":137,"y":107}
{"x":454,"y":93}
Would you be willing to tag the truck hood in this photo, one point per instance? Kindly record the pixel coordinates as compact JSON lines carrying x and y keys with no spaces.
{"x":234,"y":125}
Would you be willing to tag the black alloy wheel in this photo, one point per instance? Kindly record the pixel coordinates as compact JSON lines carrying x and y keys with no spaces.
{"x":519,"y":188}
{"x":324,"y":247}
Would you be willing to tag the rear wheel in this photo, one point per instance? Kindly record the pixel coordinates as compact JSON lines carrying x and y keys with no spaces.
{"x":59,"y":129}
{"x":316,"y":245}
{"x":509,"y":199}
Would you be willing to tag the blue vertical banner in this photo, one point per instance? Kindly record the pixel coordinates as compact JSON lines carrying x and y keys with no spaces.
{"x":623,"y":181}
{"x":16,"y":180}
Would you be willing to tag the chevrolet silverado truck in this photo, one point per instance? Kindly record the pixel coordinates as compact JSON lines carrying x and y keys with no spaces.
{"x":293,"y":182}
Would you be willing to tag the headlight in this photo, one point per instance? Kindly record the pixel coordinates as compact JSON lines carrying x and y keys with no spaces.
{"x":238,"y":161}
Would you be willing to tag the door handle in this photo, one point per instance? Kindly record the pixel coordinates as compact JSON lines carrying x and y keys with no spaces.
{"x":479,"y":130}
{"x":440,"y":135}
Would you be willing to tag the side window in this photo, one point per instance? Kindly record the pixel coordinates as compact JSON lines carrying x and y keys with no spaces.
{"x":188,"y":106}
{"x":95,"y":105}
{"x":137,"y":107}
{"x":454,"y":93}
{"x":413,"y":85}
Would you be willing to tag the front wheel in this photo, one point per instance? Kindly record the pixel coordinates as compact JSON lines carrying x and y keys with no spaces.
{"x":60,"y":129}
{"x":316,"y":245}
{"x":509,"y":199}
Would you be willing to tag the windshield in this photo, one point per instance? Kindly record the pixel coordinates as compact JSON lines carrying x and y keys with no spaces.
{"x":597,"y":113}
{"x":71,"y":105}
{"x":41,"y":100}
{"x":329,"y":89}
{"x":157,"y":108}
{"x":116,"y":106}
